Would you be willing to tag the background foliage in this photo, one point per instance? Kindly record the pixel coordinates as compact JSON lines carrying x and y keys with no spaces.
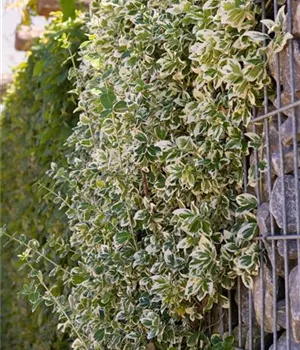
{"x":159,"y":225}
{"x":36,"y":121}
{"x":28,"y":8}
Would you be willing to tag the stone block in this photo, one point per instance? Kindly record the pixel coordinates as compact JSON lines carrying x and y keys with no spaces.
{"x":277,"y":198}
{"x":24,"y":37}
{"x":45,"y":7}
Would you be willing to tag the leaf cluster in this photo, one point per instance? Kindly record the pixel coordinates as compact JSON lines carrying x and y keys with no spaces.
{"x":159,"y":220}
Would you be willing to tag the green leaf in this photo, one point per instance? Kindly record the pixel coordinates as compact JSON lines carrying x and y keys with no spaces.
{"x":268,"y":23}
{"x":120,"y":107}
{"x":247,"y":280}
{"x":140,"y":215}
{"x":122,"y":237}
{"x":256,"y":36}
{"x":38,"y":68}
{"x":141,"y":137}
{"x":78,"y":279}
{"x":192,"y":339}
{"x":99,"y":335}
{"x":147,"y":322}
{"x":107,"y":99}
{"x":248,"y":231}
{"x":228,"y":342}
{"x":256,"y":140}
{"x":184,"y":143}
{"x":183,"y":213}
{"x":84,"y":120}
{"x":68,"y":9}
{"x":246,"y":202}
{"x":216,"y":339}
{"x":245,"y":262}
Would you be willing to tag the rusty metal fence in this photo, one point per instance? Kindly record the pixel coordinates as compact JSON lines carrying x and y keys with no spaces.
{"x":268,"y":316}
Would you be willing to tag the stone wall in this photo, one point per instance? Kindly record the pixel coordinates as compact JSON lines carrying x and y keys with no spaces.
{"x":24,"y":37}
{"x":271,"y":219}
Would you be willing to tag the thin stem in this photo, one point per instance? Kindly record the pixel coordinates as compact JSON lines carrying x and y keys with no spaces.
{"x":60,"y":307}
{"x":84,"y":105}
{"x":131,"y":227}
{"x":56,"y":195}
{"x":36,"y":251}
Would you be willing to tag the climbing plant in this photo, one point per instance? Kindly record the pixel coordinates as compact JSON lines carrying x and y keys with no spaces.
{"x":160,"y":224}
{"x":36,"y":121}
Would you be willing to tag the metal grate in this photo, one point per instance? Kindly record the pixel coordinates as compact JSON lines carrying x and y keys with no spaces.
{"x":284,"y":226}
{"x":268,"y":317}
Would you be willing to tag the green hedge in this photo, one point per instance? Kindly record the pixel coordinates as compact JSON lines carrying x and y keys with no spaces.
{"x":36,"y":121}
{"x":160,"y":226}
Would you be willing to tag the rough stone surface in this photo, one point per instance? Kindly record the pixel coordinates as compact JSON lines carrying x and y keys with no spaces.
{"x":291,"y":248}
{"x":45,"y":7}
{"x":266,"y":299}
{"x":285,"y":99}
{"x":281,"y":314}
{"x":281,"y":344}
{"x":235,"y":333}
{"x":285,"y":67}
{"x":274,"y":137}
{"x":276,"y":202}
{"x":262,"y":191}
{"x":258,"y":127}
{"x":264,"y":225}
{"x":244,"y":307}
{"x":219,"y":319}
{"x":294,"y":284}
{"x":296,"y":18}
{"x":264,"y":219}
{"x":289,"y":156}
{"x":24,"y":37}
{"x":287,"y":131}
{"x":151,"y":346}
{"x":255,"y":337}
{"x":286,"y":128}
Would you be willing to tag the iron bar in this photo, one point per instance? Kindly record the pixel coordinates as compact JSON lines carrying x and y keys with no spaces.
{"x":269,"y":186}
{"x":273,"y":113}
{"x":250,"y":332}
{"x":261,"y":275}
{"x":239,"y":312}
{"x":295,"y":128}
{"x":221,"y":317}
{"x":282,"y":175}
{"x":277,"y":237}
{"x":209,"y":323}
{"x":229,"y":314}
{"x":250,"y":336}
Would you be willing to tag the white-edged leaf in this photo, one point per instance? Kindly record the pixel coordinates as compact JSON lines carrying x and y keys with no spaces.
{"x":247,"y":231}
